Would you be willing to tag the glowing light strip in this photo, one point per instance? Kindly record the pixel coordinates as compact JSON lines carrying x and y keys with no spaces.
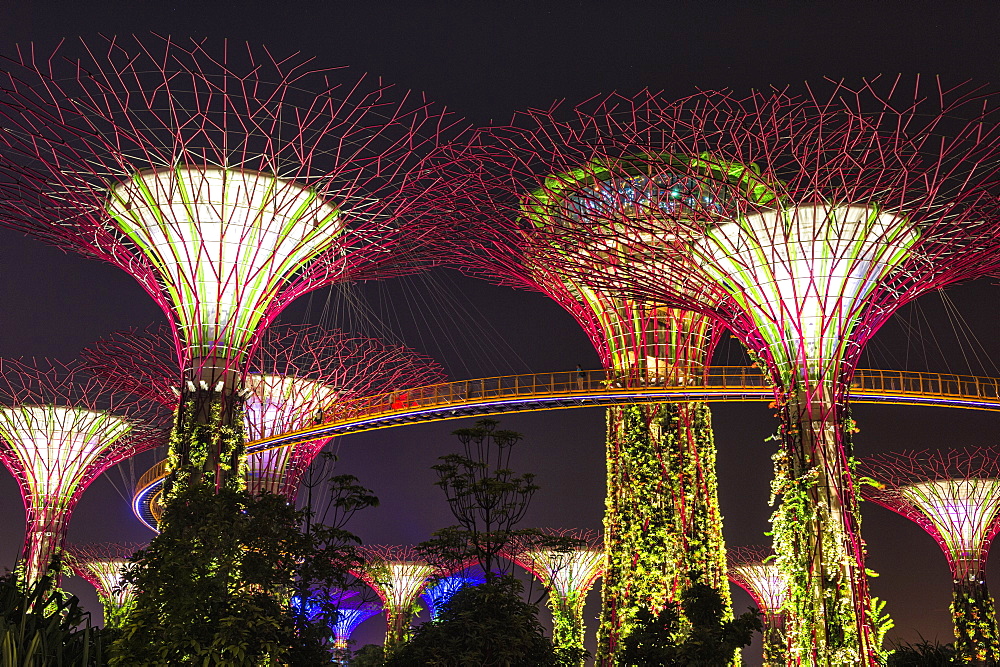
{"x":567,"y":400}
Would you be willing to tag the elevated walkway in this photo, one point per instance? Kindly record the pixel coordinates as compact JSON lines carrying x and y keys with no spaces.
{"x":551,"y":391}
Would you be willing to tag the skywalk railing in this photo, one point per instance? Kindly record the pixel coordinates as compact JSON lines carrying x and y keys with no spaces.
{"x":541,"y":391}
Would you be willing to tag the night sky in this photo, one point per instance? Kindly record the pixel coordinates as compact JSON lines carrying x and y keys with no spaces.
{"x":484,"y":61}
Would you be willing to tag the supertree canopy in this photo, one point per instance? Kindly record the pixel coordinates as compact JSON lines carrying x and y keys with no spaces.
{"x":954,"y":495}
{"x":753,"y":570}
{"x":349,"y":616}
{"x":227,"y":182}
{"x":662,"y":518}
{"x":801,"y":223}
{"x":398,"y":575}
{"x":102,"y":565}
{"x":438,"y":593}
{"x":294,"y":375}
{"x":568,"y":575}
{"x":60,"y":428}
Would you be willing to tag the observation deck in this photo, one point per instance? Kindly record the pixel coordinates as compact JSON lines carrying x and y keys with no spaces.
{"x":563,"y":389}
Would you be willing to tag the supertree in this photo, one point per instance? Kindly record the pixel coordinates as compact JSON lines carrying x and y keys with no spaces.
{"x":441,"y":590}
{"x":102,"y":565}
{"x":228,"y":182}
{"x":954,"y":495}
{"x":60,"y":428}
{"x":801,"y":223}
{"x":349,"y":616}
{"x":568,"y":575}
{"x":662,"y":518}
{"x":753,"y":570}
{"x":295,"y":373}
{"x":397,"y":574}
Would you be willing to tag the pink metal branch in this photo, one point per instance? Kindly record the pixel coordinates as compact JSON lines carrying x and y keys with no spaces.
{"x":953,"y":494}
{"x":60,"y":428}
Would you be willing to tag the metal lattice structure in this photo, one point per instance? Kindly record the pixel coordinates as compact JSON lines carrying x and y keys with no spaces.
{"x":295,"y":376}
{"x":439,"y":592}
{"x":398,"y":575}
{"x":60,"y":428}
{"x":801,"y":223}
{"x":568,"y":576}
{"x":349,"y":617}
{"x":753,"y":570}
{"x":653,"y":451}
{"x":102,"y":565}
{"x":954,"y":495}
{"x":226,"y":181}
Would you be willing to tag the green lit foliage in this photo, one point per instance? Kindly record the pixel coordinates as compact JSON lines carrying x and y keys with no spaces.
{"x":705,"y":638}
{"x":213,"y":587}
{"x":662,"y":518}
{"x":823,"y":618}
{"x":923,"y":654}
{"x":42,"y":626}
{"x":975,"y":618}
{"x":484,"y":625}
{"x":207,"y":449}
{"x":567,"y":620}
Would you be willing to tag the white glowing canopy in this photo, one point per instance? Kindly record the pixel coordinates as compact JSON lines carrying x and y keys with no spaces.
{"x":400,"y":582}
{"x":566,"y":572}
{"x":56,"y":446}
{"x":803,"y":273}
{"x":278,"y":404}
{"x":222,"y":243}
{"x":108,"y":573}
{"x":766,"y":584}
{"x":962,"y":510}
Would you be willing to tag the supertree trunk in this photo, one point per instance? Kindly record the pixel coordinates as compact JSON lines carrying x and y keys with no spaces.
{"x":567,"y":619}
{"x":662,"y":513}
{"x":977,"y":639}
{"x":774,"y":640}
{"x":816,"y":530}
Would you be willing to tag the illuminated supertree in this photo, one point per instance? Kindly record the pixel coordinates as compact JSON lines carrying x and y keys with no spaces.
{"x":398,"y":575}
{"x":801,"y":223}
{"x":102,"y":565}
{"x":568,"y":575}
{"x":954,"y":495}
{"x":228,"y":182}
{"x":438,"y":593}
{"x":662,"y":518}
{"x":753,"y":570}
{"x":294,"y":375}
{"x":349,"y":617}
{"x":60,"y":428}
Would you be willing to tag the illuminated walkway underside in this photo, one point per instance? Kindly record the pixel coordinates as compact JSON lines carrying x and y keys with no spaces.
{"x":551,"y":391}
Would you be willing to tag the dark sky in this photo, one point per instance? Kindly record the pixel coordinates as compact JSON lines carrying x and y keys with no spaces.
{"x":484,"y":60}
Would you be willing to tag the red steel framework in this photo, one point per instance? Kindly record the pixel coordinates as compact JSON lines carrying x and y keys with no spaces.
{"x":954,"y":495}
{"x":227,"y":181}
{"x":103,"y":565}
{"x":653,"y":451}
{"x":60,"y":428}
{"x":397,"y":574}
{"x":568,"y":575}
{"x":294,"y":376}
{"x":799,"y":222}
{"x":753,"y":570}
